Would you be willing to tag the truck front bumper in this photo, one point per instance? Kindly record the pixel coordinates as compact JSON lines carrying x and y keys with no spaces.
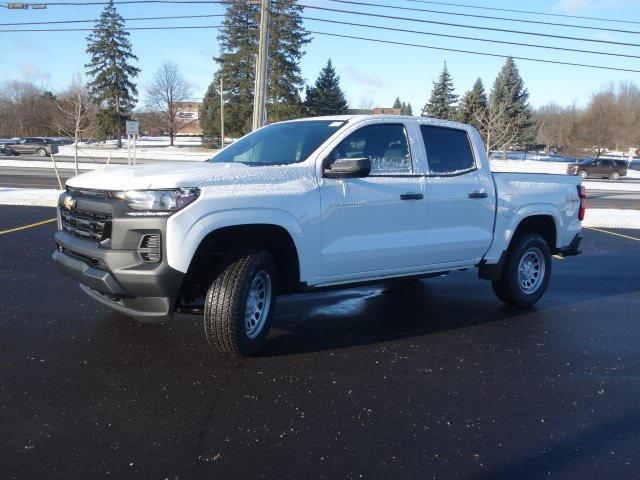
{"x":119,"y":278}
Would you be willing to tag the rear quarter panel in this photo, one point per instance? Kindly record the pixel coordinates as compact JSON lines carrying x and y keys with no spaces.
{"x":522,"y":195}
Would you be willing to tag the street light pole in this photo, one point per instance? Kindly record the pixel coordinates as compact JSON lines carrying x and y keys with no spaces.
{"x":259,"y":97}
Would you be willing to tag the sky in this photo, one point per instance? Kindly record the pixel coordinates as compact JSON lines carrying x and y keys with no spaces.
{"x":372,"y":74}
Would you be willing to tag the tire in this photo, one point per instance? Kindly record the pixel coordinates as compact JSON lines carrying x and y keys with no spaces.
{"x":245,"y":281}
{"x":8,"y":151}
{"x":583,"y":174}
{"x":42,"y":152}
{"x":526,"y":272}
{"x":614,"y":176}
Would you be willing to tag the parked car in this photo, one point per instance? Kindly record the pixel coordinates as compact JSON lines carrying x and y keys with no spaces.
{"x":39,"y":146}
{"x":306,"y":205}
{"x":598,"y":168}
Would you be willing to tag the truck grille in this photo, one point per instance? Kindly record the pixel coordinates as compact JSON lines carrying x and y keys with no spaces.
{"x":86,"y":225}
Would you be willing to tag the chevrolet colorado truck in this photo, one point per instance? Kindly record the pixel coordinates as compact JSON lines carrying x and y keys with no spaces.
{"x":310,"y":204}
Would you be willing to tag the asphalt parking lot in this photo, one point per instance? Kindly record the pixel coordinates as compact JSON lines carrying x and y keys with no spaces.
{"x":432,"y":379}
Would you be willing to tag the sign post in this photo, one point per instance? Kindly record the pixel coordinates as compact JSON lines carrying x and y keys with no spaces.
{"x":133,"y":129}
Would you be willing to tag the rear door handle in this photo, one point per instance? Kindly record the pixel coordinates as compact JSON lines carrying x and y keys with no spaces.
{"x":411,"y":196}
{"x":478,"y":194}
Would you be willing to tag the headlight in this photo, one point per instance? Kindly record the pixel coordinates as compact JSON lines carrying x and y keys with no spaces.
{"x":159,"y":201}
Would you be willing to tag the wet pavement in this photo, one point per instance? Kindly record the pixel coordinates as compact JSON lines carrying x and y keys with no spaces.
{"x":425,"y":379}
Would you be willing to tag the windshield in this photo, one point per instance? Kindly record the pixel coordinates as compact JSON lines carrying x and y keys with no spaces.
{"x":280,"y":143}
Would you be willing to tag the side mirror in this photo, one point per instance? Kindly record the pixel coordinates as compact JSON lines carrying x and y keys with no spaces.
{"x":349,"y":168}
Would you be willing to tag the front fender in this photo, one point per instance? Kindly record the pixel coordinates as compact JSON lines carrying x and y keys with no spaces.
{"x":186,"y":231}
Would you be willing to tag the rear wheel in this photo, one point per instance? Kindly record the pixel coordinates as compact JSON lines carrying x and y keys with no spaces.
{"x":8,"y":151}
{"x":240,"y":302}
{"x":614,"y":175}
{"x":42,"y":152}
{"x":583,"y":174}
{"x":526,"y":272}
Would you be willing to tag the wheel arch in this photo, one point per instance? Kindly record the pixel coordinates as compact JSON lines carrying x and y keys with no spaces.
{"x":543,"y":223}
{"x":274,"y":238}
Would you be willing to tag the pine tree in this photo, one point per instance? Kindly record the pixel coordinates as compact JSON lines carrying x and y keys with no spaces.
{"x":210,"y":116}
{"x":473,"y":105}
{"x":326,"y":97}
{"x":111,"y":70}
{"x":406,"y":109}
{"x":238,"y":41}
{"x":512,"y":97}
{"x":397,"y":103}
{"x":442,"y":103}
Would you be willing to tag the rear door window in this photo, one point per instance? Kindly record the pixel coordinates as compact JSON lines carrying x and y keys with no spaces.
{"x":448,"y":150}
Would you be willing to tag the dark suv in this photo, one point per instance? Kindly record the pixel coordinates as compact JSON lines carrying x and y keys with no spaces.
{"x":39,"y":146}
{"x":598,"y":168}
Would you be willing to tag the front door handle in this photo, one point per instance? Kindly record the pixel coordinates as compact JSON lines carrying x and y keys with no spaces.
{"x":478,"y":194}
{"x":411,"y":196}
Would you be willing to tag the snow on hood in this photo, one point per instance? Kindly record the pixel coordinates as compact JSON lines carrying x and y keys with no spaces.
{"x":171,"y":175}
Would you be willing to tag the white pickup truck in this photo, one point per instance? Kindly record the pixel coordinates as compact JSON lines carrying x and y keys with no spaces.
{"x":305,"y":205}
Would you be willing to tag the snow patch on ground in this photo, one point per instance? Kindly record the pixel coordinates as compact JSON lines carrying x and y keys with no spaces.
{"x":147,"y":148}
{"x":611,"y":218}
{"x":34,"y":197}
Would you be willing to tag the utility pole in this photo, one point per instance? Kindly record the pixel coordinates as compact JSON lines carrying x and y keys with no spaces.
{"x":221,"y":112}
{"x":259,"y":96}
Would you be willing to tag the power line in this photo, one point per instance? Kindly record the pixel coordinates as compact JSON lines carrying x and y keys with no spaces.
{"x":93,"y":20}
{"x":460,"y":37}
{"x":540,"y":60}
{"x":487,"y":17}
{"x":475,"y":27}
{"x":528,"y":12}
{"x":169,"y":27}
{"x":338,"y":22}
{"x":129,"y":2}
{"x":353,"y":37}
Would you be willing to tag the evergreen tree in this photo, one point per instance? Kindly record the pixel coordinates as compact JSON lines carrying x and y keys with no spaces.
{"x":512,"y":97}
{"x":210,"y":116}
{"x":326,"y":97}
{"x":406,"y":109}
{"x":397,"y":103}
{"x":238,"y":41}
{"x":110,"y":68}
{"x":473,"y":106}
{"x":442,"y":103}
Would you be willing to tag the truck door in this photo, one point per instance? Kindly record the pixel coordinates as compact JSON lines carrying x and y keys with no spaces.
{"x":373,"y":225}
{"x":461,"y":198}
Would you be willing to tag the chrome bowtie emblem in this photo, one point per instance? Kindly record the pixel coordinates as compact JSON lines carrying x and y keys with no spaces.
{"x":69,"y":203}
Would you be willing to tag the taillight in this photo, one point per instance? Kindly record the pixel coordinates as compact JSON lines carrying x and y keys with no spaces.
{"x":582,"y":193}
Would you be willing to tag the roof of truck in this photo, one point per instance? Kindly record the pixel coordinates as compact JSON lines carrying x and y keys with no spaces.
{"x":389,"y":118}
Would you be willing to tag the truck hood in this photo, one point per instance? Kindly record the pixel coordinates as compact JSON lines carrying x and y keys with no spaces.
{"x":162,"y":175}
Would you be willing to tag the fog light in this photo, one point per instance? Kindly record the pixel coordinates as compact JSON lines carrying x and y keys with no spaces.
{"x":149,"y":248}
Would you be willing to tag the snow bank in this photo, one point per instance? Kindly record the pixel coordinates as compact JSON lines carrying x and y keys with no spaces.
{"x":34,"y":197}
{"x":186,"y":154}
{"x":611,"y":218}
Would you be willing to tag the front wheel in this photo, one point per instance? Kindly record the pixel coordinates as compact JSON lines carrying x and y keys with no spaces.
{"x":583,"y":174}
{"x":42,"y":152}
{"x":240,"y":302}
{"x":614,"y":175}
{"x":526,"y":272}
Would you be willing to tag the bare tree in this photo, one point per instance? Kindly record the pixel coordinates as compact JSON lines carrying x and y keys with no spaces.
{"x":76,"y":113}
{"x":600,"y":123}
{"x":25,"y":109}
{"x":496,"y":128}
{"x":165,"y":100}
